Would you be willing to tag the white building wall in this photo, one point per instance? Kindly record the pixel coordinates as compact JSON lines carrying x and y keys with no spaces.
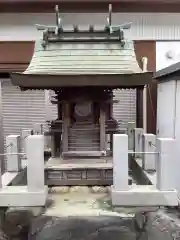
{"x":166,"y":109}
{"x":167,"y":53}
{"x":168,"y":116}
{"x":145,"y":26}
{"x":168,"y":121}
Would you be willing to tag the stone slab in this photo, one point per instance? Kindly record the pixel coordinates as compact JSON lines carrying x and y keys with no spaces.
{"x":14,"y":178}
{"x":144,"y":196}
{"x":19,"y":196}
{"x":83,"y":154}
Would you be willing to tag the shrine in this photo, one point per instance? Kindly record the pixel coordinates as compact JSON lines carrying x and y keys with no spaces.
{"x":82,"y":67}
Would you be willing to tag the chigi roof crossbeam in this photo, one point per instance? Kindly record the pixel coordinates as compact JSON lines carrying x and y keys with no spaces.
{"x":109,"y":33}
{"x":83,"y":58}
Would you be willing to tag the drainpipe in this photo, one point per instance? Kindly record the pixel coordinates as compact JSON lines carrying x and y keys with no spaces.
{"x":145,"y":62}
{"x":47,"y":110}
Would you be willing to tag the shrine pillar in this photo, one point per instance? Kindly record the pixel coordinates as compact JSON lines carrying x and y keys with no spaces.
{"x":102,"y":123}
{"x":65,"y":125}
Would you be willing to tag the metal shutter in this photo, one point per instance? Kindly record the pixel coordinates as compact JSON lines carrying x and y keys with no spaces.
{"x":21,"y":109}
{"x":51,"y":108}
{"x":125,"y":109}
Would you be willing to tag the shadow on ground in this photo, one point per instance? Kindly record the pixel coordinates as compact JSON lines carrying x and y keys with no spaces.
{"x":82,"y":228}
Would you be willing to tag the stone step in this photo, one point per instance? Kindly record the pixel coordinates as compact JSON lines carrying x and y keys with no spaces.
{"x":85,"y":142}
{"x":82,"y":153}
{"x":78,"y":149}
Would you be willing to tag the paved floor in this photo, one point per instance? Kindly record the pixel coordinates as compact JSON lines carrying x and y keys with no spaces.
{"x":88,"y":216}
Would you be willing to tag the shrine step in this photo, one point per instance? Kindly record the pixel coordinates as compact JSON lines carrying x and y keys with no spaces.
{"x":81,"y":142}
{"x":84,"y":140}
{"x":83,"y":154}
{"x":80,"y":177}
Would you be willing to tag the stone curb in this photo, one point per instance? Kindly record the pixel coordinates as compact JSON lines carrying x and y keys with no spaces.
{"x":82,"y":189}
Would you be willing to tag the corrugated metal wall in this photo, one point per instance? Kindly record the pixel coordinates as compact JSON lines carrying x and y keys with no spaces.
{"x":125,"y":110}
{"x":21,"y":109}
{"x":145,"y":26}
{"x":51,"y":108}
{"x":24,"y":109}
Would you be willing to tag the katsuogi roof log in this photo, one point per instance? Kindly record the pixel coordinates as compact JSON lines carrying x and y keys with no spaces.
{"x":90,"y":57}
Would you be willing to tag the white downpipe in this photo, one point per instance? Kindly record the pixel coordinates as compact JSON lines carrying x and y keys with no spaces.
{"x":145,"y":62}
{"x":47,"y":109}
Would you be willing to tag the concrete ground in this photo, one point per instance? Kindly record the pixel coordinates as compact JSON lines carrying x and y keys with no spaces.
{"x":82,"y":214}
{"x":87,"y":214}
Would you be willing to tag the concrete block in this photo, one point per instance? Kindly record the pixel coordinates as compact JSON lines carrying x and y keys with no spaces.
{"x":166,"y":163}
{"x":13,"y":146}
{"x":17,"y":223}
{"x":138,"y":132}
{"x":146,"y":196}
{"x":20,"y":196}
{"x":33,"y":211}
{"x":148,"y":145}
{"x":120,"y":162}
{"x":35,"y":169}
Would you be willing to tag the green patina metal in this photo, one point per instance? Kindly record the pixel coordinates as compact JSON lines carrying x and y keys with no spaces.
{"x":72,"y":57}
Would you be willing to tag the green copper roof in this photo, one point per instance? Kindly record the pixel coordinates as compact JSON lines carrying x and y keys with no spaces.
{"x":78,"y":58}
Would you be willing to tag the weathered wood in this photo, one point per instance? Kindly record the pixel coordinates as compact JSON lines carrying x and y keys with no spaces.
{"x":81,"y":177}
{"x":53,"y":149}
{"x":102,"y":122}
{"x":82,"y":154}
{"x":111,"y":143}
{"x":65,"y":116}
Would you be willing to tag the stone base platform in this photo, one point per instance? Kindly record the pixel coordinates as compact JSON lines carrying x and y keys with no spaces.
{"x":147,"y":196}
{"x":73,"y":172}
{"x":21,"y":196}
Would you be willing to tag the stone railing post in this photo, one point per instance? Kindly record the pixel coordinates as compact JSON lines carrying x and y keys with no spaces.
{"x":120,"y":162}
{"x":148,"y":145}
{"x":13,"y":146}
{"x":38,"y":129}
{"x":35,"y":167}
{"x":24,"y":134}
{"x":166,"y":164}
{"x":138,"y":132}
{"x":130,"y":132}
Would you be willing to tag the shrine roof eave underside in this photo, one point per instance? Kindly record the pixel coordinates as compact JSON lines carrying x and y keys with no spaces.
{"x":48,"y":81}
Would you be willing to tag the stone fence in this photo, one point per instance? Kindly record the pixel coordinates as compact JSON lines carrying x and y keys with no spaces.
{"x":143,"y":144}
{"x":31,"y":161}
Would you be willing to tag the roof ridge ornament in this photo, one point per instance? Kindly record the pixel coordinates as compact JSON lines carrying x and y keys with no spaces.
{"x":109,"y":19}
{"x":58,"y":21}
{"x":57,"y":33}
{"x":117,"y":28}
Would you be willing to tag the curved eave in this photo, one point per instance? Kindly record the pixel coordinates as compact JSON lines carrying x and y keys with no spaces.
{"x":41,"y":81}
